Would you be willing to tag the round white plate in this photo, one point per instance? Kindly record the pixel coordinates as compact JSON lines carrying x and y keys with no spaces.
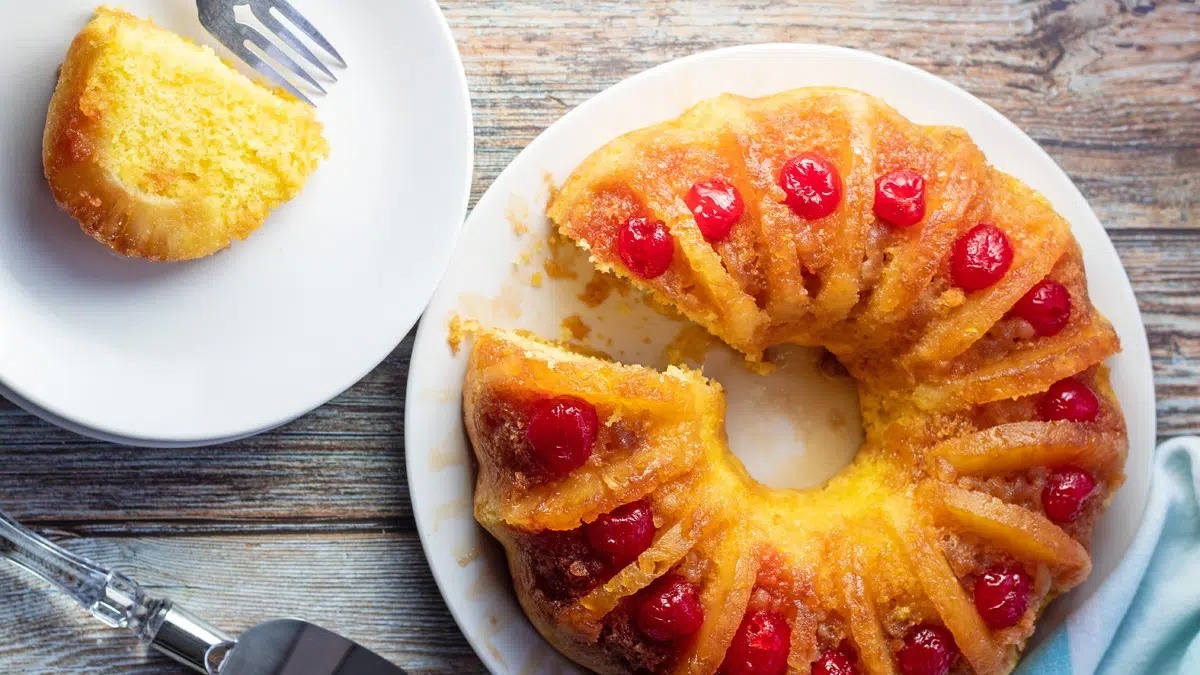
{"x":489,"y":280}
{"x":255,"y":336}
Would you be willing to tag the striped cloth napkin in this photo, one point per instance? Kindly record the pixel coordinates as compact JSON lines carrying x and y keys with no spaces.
{"x":1146,"y":616}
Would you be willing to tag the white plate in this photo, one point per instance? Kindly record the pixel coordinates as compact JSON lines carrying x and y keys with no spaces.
{"x":484,"y":283}
{"x":250,"y":338}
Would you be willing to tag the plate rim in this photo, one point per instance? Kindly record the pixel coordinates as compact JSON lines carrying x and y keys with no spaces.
{"x":465,"y":166}
{"x":429,"y":329}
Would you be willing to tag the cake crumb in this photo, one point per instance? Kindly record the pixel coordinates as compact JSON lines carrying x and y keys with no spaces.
{"x":517,"y":214}
{"x":759,"y":367}
{"x":558,"y":263}
{"x":459,"y":330}
{"x":551,"y":188}
{"x":536,"y":280}
{"x":574,"y":328}
{"x":597,"y":290}
{"x":690,"y":345}
{"x":455,"y":338}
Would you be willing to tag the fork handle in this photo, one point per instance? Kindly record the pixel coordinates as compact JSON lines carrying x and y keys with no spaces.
{"x":115,"y":599}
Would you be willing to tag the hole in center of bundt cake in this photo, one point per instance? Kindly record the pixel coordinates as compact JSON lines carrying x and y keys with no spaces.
{"x":795,"y":427}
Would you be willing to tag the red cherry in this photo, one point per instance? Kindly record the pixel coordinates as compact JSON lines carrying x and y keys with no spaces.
{"x":716,"y":205}
{"x":834,"y":662}
{"x":1069,"y":400}
{"x":812,"y":185}
{"x":900,"y":198}
{"x":927,"y":650}
{"x":622,"y":534}
{"x":562,"y":432}
{"x":646,"y":247}
{"x":980,"y":257}
{"x":1047,"y":307}
{"x":1066,"y":491}
{"x":760,"y":646}
{"x":1002,"y":595}
{"x":670,"y":609}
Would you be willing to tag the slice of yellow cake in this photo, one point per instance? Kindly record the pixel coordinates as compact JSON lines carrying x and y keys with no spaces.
{"x":161,"y":150}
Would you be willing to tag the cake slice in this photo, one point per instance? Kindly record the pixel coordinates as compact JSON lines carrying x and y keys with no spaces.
{"x":163,"y":151}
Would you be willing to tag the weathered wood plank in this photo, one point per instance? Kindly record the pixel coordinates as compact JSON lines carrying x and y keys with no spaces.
{"x":374,"y":587}
{"x":1165,"y":269}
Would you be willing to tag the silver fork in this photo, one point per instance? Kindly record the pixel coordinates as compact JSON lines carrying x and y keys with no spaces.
{"x":217,"y":16}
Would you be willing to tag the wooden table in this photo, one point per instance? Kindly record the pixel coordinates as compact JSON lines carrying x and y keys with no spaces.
{"x":317,"y":514}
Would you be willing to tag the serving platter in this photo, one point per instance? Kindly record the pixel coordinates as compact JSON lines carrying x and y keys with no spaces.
{"x":505,"y":273}
{"x":252,"y":337}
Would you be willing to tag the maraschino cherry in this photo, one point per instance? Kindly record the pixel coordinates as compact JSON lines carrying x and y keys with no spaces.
{"x":760,"y":646}
{"x":834,"y":662}
{"x":646,"y":246}
{"x":980,"y":258}
{"x":1069,"y":400}
{"x":1002,"y":595}
{"x":670,"y":609}
{"x":1047,"y":307}
{"x":812,"y":186}
{"x":927,"y":650}
{"x":716,"y":206}
{"x":622,"y":534}
{"x":900,"y":198}
{"x":562,"y":433}
{"x":1067,"y":490}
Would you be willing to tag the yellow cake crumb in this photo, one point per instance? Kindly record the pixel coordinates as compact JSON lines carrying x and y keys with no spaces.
{"x":574,"y":328}
{"x":689,"y":346}
{"x":597,"y":290}
{"x":558,"y":257}
{"x":456,"y":334}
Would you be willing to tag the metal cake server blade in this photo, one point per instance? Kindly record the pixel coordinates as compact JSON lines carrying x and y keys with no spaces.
{"x":283,"y":647}
{"x":290,"y":647}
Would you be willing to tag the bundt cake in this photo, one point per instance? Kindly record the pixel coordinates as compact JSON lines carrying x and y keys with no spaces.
{"x":951,"y":292}
{"x":163,"y":151}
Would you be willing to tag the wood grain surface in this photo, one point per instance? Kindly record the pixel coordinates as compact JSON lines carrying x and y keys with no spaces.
{"x":317,"y":513}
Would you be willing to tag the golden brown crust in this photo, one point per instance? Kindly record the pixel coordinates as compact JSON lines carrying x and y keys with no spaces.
{"x":948,"y":482}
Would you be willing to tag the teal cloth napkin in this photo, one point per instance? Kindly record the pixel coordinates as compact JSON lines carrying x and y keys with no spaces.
{"x":1146,"y":616}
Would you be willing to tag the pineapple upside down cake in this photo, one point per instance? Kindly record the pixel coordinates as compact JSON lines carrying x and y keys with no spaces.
{"x":955,"y":296}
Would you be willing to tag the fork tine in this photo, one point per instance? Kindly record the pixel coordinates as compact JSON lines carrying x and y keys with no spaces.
{"x":290,"y":13}
{"x":280,"y":56}
{"x":243,"y":52}
{"x":289,"y":38}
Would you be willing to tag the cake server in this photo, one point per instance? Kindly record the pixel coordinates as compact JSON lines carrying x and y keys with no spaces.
{"x":283,"y":647}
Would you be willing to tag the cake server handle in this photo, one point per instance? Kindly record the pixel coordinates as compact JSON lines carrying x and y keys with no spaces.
{"x":116,"y":600}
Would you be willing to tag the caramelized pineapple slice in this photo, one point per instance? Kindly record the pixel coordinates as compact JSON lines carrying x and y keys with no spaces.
{"x":725,"y":595}
{"x":869,"y":638}
{"x":1026,"y":535}
{"x":1025,"y":371}
{"x":1024,"y":445}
